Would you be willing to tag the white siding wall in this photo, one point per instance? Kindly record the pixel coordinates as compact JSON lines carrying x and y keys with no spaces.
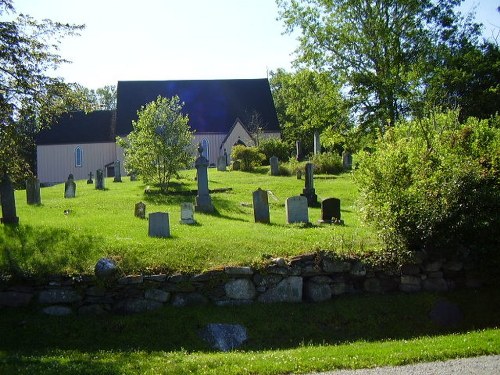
{"x":56,"y":162}
{"x":215,"y":140}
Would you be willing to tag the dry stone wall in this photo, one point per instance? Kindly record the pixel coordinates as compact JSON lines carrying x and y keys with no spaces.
{"x":307,"y":278}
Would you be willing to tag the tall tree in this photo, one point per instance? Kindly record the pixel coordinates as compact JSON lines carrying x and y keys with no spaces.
{"x":378,"y":49}
{"x":29,"y":97}
{"x":160,"y":143}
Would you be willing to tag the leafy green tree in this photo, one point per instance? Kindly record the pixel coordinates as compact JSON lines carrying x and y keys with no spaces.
{"x":307,"y":101}
{"x":433,"y":184}
{"x":249,"y":157}
{"x":160,"y":143}
{"x":81,"y":98}
{"x":30,"y":99}
{"x":380,"y":51}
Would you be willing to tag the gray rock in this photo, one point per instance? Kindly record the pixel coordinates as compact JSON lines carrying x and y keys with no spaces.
{"x":136,"y":305}
{"x":288,"y":290}
{"x":55,"y":296}
{"x":57,"y":310}
{"x":330,"y":266}
{"x":189,"y":299}
{"x":358,"y":269}
{"x":157,"y":295}
{"x":321,"y":279}
{"x":240,"y":289}
{"x":410,"y":283}
{"x":91,"y":310}
{"x":239,"y":271}
{"x":410,"y":269}
{"x":15,"y":299}
{"x":224,"y":337}
{"x":106,"y":269}
{"x":131,"y":280}
{"x":339,"y":288}
{"x":317,"y":292}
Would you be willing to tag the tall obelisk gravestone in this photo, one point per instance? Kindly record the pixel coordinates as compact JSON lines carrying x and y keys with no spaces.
{"x":203,"y":200}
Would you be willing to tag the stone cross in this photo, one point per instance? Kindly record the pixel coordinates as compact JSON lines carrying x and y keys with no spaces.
{"x":261,"y":206}
{"x":99,"y":179}
{"x":203,"y":199}
{"x":309,"y":192}
{"x":159,"y":225}
{"x":33,"y":191}
{"x":118,"y":172}
{"x":296,"y":210}
{"x":8,"y":201}
{"x":70,"y":187}
{"x":140,"y":210}
{"x":187,"y":213}
{"x":275,"y":168}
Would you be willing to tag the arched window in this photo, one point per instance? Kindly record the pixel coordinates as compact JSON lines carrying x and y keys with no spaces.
{"x":206,"y":148}
{"x":78,"y":156}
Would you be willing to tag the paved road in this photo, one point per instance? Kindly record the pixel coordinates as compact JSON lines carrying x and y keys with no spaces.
{"x":486,"y":365}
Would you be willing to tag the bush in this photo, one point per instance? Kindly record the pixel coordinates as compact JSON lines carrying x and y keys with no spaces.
{"x":274,"y":147}
{"x":249,"y":157}
{"x":433,"y":185}
{"x":327,"y":163}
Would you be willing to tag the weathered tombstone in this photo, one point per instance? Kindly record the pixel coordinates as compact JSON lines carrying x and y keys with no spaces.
{"x":221,"y":163}
{"x":317,"y":143}
{"x":275,"y":168}
{"x":203,"y":199}
{"x":70,"y":187}
{"x":309,"y":192}
{"x":99,"y":179}
{"x":8,"y":201}
{"x":261,"y":206}
{"x":33,"y":191}
{"x":133,"y":176}
{"x":159,"y":225}
{"x":346,"y":160}
{"x":330,"y":211}
{"x":90,"y":180}
{"x":140,"y":210}
{"x":296,"y":210}
{"x":298,"y":150}
{"x":187,"y":213}
{"x":118,"y":172}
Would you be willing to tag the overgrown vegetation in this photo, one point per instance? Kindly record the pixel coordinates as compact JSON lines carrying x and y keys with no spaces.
{"x":248,"y":158}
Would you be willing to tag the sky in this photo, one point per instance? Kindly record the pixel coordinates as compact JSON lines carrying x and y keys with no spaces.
{"x":181,"y":39}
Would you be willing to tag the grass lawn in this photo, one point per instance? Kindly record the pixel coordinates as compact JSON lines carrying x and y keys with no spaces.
{"x":102,"y":223}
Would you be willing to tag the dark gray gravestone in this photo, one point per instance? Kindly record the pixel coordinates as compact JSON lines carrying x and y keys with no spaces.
{"x":90,"y":181}
{"x":159,"y":225}
{"x":275,"y":168}
{"x":346,"y":160}
{"x":221,"y":163}
{"x":261,"y":206}
{"x":140,"y":210}
{"x":33,"y":191}
{"x":99,"y":179}
{"x":309,"y":192}
{"x":8,"y":201}
{"x":203,"y":199}
{"x":118,"y":172}
{"x":330,"y":211}
{"x":70,"y":187}
{"x":296,"y":210}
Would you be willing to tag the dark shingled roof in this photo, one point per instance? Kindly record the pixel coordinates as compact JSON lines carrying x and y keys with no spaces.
{"x":79,"y":127}
{"x":212,"y":105}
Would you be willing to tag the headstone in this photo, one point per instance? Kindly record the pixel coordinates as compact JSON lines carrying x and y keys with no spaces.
{"x":330,"y":211}
{"x":261,"y":206}
{"x":187,"y":213}
{"x":296,"y":210}
{"x":317,"y":143}
{"x":140,"y":210}
{"x":8,"y":201}
{"x":275,"y":168}
{"x":118,"y":172}
{"x":298,"y":150}
{"x":203,"y":199}
{"x":159,"y":225}
{"x":309,"y":192}
{"x":90,"y":180}
{"x":33,"y":191}
{"x":221,"y":163}
{"x":133,"y":176}
{"x":99,"y":179}
{"x":70,"y":187}
{"x":346,"y":160}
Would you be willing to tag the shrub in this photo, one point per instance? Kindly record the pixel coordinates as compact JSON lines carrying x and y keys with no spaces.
{"x":433,"y":185}
{"x":249,"y":157}
{"x":274,"y":147}
{"x":327,"y":163}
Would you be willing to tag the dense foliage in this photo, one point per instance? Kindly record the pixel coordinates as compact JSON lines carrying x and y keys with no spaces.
{"x":160,"y":143}
{"x":247,"y":157}
{"x":274,"y":147}
{"x":434,"y":184}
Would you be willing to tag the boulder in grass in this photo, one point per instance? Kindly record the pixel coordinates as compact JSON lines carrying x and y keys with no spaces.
{"x":224,"y":337}
{"x":106,"y":269}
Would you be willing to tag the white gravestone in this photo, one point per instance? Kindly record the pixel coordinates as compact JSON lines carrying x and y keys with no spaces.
{"x":296,"y":210}
{"x":187,"y":213}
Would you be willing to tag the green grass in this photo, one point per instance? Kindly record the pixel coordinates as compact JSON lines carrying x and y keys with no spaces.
{"x":349,"y":332}
{"x":102,"y":223}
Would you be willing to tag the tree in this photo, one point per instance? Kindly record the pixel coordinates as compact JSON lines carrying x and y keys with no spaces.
{"x":160,"y":143}
{"x":81,"y":98}
{"x":29,"y":98}
{"x":380,"y":51}
{"x":307,"y":101}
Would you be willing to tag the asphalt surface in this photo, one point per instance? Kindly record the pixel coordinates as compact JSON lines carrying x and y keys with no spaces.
{"x":485,"y":365}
